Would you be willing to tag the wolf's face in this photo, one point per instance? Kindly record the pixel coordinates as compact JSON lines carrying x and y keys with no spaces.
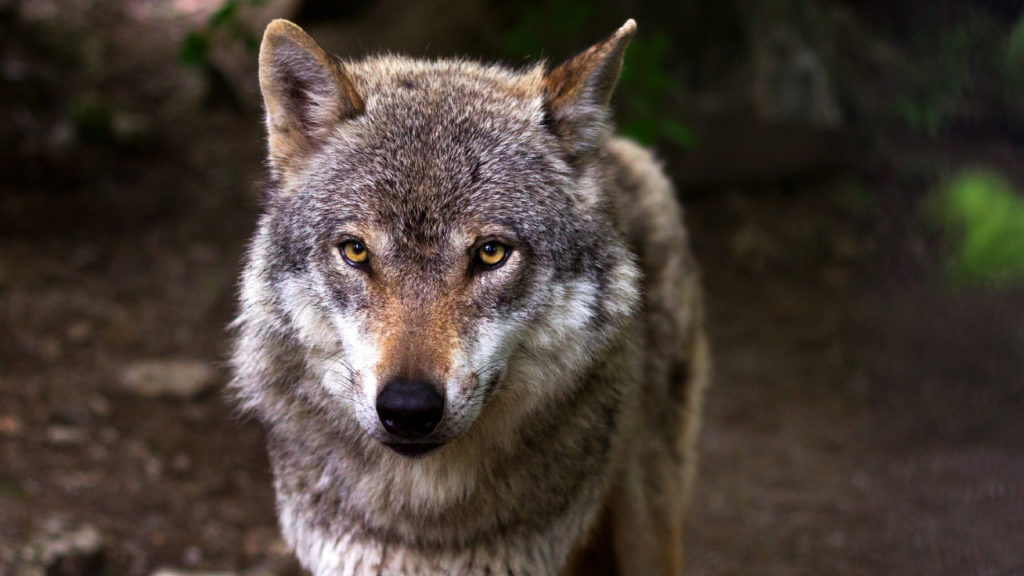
{"x":433,"y":238}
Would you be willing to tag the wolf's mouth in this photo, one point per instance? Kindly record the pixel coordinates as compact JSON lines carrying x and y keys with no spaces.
{"x":410,"y":450}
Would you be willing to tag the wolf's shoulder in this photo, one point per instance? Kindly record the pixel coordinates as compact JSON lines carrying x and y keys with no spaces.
{"x":643,"y":198}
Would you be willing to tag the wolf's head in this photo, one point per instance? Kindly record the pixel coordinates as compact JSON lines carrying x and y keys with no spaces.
{"x":435,"y":244}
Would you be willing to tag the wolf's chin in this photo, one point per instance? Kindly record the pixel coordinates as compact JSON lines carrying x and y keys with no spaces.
{"x":414,"y":450}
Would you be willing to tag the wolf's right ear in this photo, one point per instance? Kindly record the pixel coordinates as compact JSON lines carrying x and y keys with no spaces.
{"x":577,"y":93}
{"x":305,"y":91}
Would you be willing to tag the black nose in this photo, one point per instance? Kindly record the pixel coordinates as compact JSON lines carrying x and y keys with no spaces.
{"x":409,"y":408}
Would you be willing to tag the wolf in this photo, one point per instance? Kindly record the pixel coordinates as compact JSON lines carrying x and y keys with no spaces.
{"x":469,"y":319}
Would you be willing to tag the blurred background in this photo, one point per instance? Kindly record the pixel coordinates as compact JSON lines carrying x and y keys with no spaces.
{"x":853,"y":179}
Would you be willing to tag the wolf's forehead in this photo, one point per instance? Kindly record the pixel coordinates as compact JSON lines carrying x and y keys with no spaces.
{"x":448,"y":102}
{"x":442,"y":142}
{"x":440,"y":147}
{"x":455,"y":81}
{"x":458,"y":123}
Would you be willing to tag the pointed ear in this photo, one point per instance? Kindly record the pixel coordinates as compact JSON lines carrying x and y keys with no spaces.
{"x":577,"y":93}
{"x":305,"y":92}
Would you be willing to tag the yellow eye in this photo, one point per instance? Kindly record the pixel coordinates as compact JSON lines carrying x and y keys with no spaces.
{"x":492,"y":254}
{"x":354,"y":252}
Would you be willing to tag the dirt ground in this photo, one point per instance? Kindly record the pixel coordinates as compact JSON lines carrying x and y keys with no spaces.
{"x":864,"y":419}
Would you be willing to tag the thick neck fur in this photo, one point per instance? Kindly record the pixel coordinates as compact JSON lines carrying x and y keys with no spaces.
{"x":512,"y":505}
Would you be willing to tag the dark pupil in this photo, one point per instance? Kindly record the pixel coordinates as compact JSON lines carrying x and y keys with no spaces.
{"x":357,"y":247}
{"x":490,"y":249}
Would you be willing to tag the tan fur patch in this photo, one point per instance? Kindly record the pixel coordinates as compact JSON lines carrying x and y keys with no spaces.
{"x":416,"y":339}
{"x":293,"y":67}
{"x":596,"y":68}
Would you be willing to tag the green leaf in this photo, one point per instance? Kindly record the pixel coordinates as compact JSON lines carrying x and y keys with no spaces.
{"x":1015,"y":58}
{"x":249,"y":40}
{"x":194,"y":49}
{"x":679,"y":134}
{"x":643,"y":130}
{"x":984,"y":217}
{"x":223,"y":15}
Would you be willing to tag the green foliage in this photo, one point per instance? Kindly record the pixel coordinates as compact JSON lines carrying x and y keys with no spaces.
{"x":984,"y":217}
{"x":1015,"y":44}
{"x":195,"y":47}
{"x":646,"y":85}
{"x":1015,"y":59}
{"x":536,"y":28}
{"x":970,"y":70}
{"x":938,"y":80}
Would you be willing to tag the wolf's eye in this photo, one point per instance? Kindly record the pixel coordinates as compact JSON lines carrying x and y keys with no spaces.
{"x":354,"y":252}
{"x":492,"y":254}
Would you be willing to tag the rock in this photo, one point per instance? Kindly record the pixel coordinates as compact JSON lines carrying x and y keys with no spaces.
{"x":181,"y":464}
{"x":153,"y":467}
{"x":79,"y":332}
{"x":264,"y":542}
{"x":180,"y":378}
{"x":193,"y":555}
{"x":99,"y":406}
{"x":178,"y":572}
{"x":65,"y":435}
{"x":792,"y":82}
{"x":11,"y":425}
{"x":109,"y":435}
{"x":63,"y":550}
{"x":262,"y":570}
{"x":50,"y":349}
{"x":278,"y":566}
{"x":795,"y":87}
{"x":131,"y":128}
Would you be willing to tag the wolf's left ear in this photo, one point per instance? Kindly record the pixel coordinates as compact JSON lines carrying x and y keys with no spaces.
{"x":577,"y":92}
{"x":305,"y":92}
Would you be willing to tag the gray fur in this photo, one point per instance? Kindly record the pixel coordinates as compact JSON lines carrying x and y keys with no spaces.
{"x":555,"y":418}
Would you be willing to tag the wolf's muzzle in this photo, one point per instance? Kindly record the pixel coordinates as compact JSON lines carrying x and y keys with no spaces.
{"x":410,"y":409}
